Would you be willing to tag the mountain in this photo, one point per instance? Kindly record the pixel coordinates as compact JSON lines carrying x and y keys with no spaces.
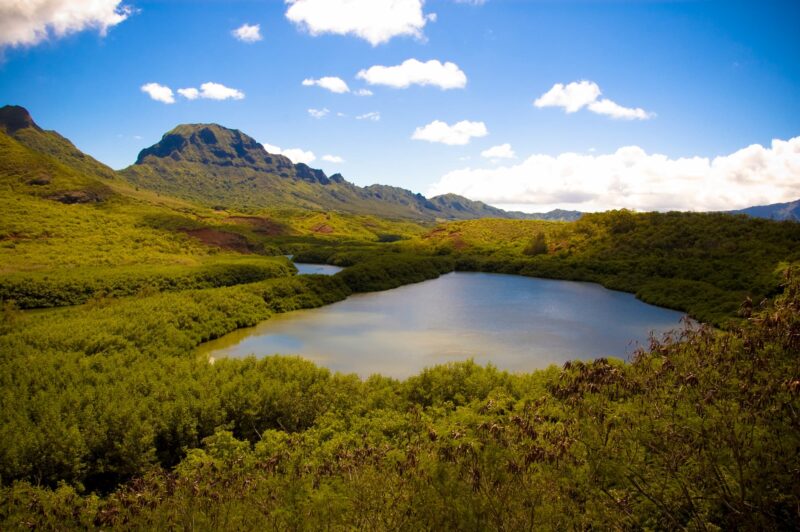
{"x":477,"y":209}
{"x":16,"y":122}
{"x":776,"y":211}
{"x":226,"y":168}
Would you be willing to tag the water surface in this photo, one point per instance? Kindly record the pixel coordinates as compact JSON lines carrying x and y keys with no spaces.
{"x":320,"y":269}
{"x":516,"y":323}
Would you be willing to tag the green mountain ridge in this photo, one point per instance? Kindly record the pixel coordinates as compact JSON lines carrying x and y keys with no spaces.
{"x":16,"y":122}
{"x":226,"y":168}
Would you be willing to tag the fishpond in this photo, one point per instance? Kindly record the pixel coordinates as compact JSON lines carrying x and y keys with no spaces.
{"x":316,"y":269}
{"x":516,"y":323}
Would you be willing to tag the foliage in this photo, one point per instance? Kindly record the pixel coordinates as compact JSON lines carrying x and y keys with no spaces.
{"x":73,"y":287}
{"x":538,"y":245}
{"x":699,"y":432}
{"x":704,"y":264}
{"x":110,"y":418}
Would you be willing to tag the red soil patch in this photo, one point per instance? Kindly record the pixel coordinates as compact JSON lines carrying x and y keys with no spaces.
{"x":322,"y":228}
{"x":263,"y":226}
{"x":221,"y":239}
{"x":435,"y":233}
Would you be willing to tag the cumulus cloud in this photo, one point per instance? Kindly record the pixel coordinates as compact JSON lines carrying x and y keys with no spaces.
{"x":414,"y":72}
{"x":503,"y":151}
{"x":363,"y":92}
{"x":375,"y":21}
{"x":190,"y":94}
{"x":217,"y":91}
{"x":577,"y":95}
{"x":29,"y":22}
{"x":208,"y":91}
{"x":631,"y":178}
{"x":159,"y":93}
{"x":248,"y":33}
{"x":318,"y":113}
{"x":332,"y":159}
{"x":296,"y":155}
{"x":458,"y":134}
{"x":330,"y":83}
{"x":374,"y":116}
{"x":271,"y":148}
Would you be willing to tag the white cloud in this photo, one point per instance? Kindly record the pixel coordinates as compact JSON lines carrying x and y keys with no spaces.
{"x":414,"y":72}
{"x":318,"y":113}
{"x":458,"y":134}
{"x":332,"y":159}
{"x":209,"y":91}
{"x":159,"y":93}
{"x":296,"y":155}
{"x":363,"y":92}
{"x":29,"y":22}
{"x":190,"y":94}
{"x":217,"y":91}
{"x":374,"y":116}
{"x":614,"y":110}
{"x":571,"y":97}
{"x":330,"y":83}
{"x":503,"y":151}
{"x":248,"y":33}
{"x":271,"y":148}
{"x":376,"y":21}
{"x":634,"y":179}
{"x":579,"y":94}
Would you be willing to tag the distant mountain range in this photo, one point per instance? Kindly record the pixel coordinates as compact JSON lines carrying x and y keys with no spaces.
{"x":777,"y":211}
{"x":226,"y":168}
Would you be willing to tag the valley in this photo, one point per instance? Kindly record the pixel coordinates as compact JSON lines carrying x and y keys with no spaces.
{"x":113,"y":416}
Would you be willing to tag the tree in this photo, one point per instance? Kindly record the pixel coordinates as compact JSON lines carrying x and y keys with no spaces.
{"x":537,"y":245}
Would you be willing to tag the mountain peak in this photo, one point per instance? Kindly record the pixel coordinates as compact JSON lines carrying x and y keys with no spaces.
{"x":214,"y":145}
{"x":14,"y":117}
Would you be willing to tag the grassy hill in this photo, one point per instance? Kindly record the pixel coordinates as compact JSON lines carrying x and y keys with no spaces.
{"x":71,"y":229}
{"x":110,"y":419}
{"x":226,"y":169}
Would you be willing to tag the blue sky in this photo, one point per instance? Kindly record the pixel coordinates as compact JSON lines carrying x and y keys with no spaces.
{"x":709,"y":79}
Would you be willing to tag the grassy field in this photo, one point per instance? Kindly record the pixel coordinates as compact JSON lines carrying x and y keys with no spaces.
{"x":110,"y":419}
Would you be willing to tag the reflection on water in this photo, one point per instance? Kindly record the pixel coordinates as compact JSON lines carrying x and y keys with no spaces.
{"x":319,"y":269}
{"x":516,"y":323}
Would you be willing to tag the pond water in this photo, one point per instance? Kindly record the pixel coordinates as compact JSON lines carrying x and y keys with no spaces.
{"x":319,"y":269}
{"x":516,"y":323}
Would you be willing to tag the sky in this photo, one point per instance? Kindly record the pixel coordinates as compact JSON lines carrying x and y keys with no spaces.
{"x":527,"y":105}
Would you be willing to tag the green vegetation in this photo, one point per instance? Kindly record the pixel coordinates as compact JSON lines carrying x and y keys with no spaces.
{"x":700,"y":434}
{"x":110,"y":418}
{"x":73,"y":287}
{"x":704,"y":264}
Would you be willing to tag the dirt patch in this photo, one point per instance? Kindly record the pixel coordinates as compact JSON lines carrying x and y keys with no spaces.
{"x":221,"y":239}
{"x":458,"y":242}
{"x":262,"y":226}
{"x":71,"y":197}
{"x":322,"y":228}
{"x":39,"y":181}
{"x":435,"y":233}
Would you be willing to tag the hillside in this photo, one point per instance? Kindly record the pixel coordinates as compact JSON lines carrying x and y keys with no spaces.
{"x":226,"y":169}
{"x":777,"y":211}
{"x":112,"y":420}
